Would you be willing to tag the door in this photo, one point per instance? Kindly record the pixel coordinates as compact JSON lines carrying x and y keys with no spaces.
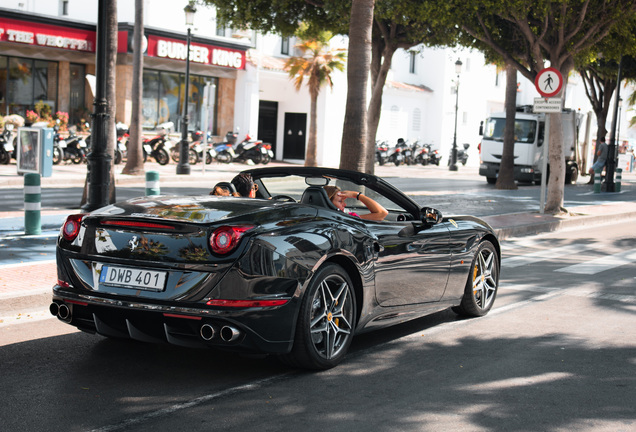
{"x":413,"y":262}
{"x":267,"y":122}
{"x":76,"y":98}
{"x":294,"y":137}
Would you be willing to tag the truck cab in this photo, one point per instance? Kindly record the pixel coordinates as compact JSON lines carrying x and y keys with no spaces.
{"x":529,"y":141}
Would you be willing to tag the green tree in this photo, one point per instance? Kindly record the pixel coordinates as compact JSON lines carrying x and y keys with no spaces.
{"x":554,"y":31}
{"x":314,"y":66}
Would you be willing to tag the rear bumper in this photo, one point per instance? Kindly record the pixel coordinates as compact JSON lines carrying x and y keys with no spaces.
{"x":254,"y":330}
{"x":521,"y":173}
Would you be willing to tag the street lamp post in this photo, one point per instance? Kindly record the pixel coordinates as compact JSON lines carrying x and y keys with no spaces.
{"x":453,"y":162}
{"x":183,"y":167}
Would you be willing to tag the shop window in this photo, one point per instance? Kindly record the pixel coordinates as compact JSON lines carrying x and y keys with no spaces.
{"x":78,"y":111}
{"x":26,"y":82}
{"x":163,"y":94}
{"x":412,"y":62}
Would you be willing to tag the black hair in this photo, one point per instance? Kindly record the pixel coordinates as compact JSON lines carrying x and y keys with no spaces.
{"x":244,"y":184}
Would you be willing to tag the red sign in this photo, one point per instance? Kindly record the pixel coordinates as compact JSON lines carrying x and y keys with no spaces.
{"x":549,"y":82}
{"x":46,"y":35}
{"x":199,"y":53}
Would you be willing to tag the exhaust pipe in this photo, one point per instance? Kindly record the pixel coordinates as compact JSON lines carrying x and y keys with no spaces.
{"x":229,"y":334}
{"x":207,"y":332}
{"x":54,"y":308}
{"x":64,"y":313}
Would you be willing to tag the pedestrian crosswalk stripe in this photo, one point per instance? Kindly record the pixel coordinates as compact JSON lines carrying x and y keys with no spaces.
{"x":601,"y":264}
{"x":547,"y":254}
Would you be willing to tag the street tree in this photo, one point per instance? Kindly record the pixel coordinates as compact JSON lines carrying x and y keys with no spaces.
{"x":314,"y":66}
{"x":135,"y":161}
{"x":555,"y":32}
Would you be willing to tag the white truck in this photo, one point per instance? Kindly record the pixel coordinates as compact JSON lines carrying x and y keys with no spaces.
{"x":529,"y":140}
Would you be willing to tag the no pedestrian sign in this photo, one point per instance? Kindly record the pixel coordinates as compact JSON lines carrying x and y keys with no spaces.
{"x":549,"y":82}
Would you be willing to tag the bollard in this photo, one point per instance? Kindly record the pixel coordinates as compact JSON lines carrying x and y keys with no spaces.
{"x":619,"y":179}
{"x":597,"y":181}
{"x":152,"y":183}
{"x":32,"y":204}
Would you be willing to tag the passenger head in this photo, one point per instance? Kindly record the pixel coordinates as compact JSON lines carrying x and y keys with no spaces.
{"x":336,"y":198}
{"x":244,"y":185}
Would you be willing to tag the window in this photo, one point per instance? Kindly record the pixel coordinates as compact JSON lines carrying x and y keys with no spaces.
{"x":412,"y":61}
{"x":220,"y":30}
{"x":25,"y":82}
{"x":162,"y":100}
{"x":417,"y":119}
{"x":395,"y":113}
{"x":284,"y":46}
{"x":63,"y":7}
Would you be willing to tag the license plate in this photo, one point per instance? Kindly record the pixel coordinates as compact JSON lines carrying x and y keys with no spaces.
{"x":127,"y":277}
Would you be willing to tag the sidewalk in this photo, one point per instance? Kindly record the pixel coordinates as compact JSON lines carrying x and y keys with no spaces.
{"x":37,"y":277}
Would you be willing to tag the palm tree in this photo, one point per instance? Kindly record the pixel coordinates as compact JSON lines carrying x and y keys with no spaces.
{"x":316,"y":63}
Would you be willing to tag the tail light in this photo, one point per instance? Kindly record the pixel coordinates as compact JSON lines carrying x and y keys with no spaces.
{"x":267,"y":146}
{"x":71,"y":227}
{"x":226,"y":238}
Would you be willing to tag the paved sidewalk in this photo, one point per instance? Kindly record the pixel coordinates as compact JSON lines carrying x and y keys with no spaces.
{"x":31,"y":277}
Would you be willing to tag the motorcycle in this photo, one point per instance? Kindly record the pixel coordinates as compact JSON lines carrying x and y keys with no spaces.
{"x":462,"y":155}
{"x":400,"y":153}
{"x":58,"y":146}
{"x":121,"y":149}
{"x":75,"y":148}
{"x":381,"y":152}
{"x":250,"y":150}
{"x":433,"y":155}
{"x":422,"y":154}
{"x":201,"y":146}
{"x":157,"y":146}
{"x":6,"y":144}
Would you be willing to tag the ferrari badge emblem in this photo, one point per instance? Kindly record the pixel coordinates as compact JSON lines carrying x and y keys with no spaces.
{"x":134,"y":242}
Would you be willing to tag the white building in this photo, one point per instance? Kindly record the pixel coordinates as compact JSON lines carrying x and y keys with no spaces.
{"x":258,"y":97}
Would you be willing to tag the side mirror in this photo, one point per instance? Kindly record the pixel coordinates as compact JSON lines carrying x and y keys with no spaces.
{"x":481,"y":127}
{"x":430,"y":216}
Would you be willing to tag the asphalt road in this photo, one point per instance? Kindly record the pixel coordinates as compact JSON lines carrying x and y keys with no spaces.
{"x":555,"y":354}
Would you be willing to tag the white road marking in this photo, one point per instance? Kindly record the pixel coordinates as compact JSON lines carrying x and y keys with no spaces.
{"x":547,"y":254}
{"x":601,"y":264}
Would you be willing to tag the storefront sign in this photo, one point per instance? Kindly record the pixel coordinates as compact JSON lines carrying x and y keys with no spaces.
{"x":199,"y":53}
{"x":46,"y":35}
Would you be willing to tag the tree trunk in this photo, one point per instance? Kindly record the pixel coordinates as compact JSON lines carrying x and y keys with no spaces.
{"x":135,"y":158}
{"x":556,"y":181}
{"x":506,"y":179}
{"x":312,"y":139}
{"x":382,"y":65}
{"x":354,"y":134}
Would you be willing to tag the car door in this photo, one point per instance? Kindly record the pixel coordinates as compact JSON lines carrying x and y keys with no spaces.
{"x":413,"y":262}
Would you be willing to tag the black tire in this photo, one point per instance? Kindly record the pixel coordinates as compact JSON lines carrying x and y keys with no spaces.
{"x":330,"y":304}
{"x":118,"y":157}
{"x":491,"y":180}
{"x":5,"y":157}
{"x":224,"y":157}
{"x":572,"y":174}
{"x":193,"y":157}
{"x":482,"y":284}
{"x":77,"y":158}
{"x":266,"y":160}
{"x":161,"y":156}
{"x":175,"y":154}
{"x":58,"y":155}
{"x":208,"y":158}
{"x":382,"y":161}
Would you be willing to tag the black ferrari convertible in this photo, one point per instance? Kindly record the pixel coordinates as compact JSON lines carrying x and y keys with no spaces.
{"x":284,"y":273}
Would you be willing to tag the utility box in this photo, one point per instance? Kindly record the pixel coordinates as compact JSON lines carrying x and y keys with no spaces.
{"x":34,"y":152}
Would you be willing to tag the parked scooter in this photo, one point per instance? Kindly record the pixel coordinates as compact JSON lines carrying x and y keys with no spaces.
{"x":201,"y":146}
{"x":381,"y":152}
{"x":157,"y":147}
{"x":75,"y":149}
{"x":251,"y":150}
{"x":58,"y":146}
{"x":7,"y":146}
{"x":400,"y":152}
{"x":121,"y":149}
{"x":462,"y":154}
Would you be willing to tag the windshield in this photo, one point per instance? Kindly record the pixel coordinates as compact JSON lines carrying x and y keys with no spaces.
{"x":294,"y":186}
{"x":525,"y":130}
